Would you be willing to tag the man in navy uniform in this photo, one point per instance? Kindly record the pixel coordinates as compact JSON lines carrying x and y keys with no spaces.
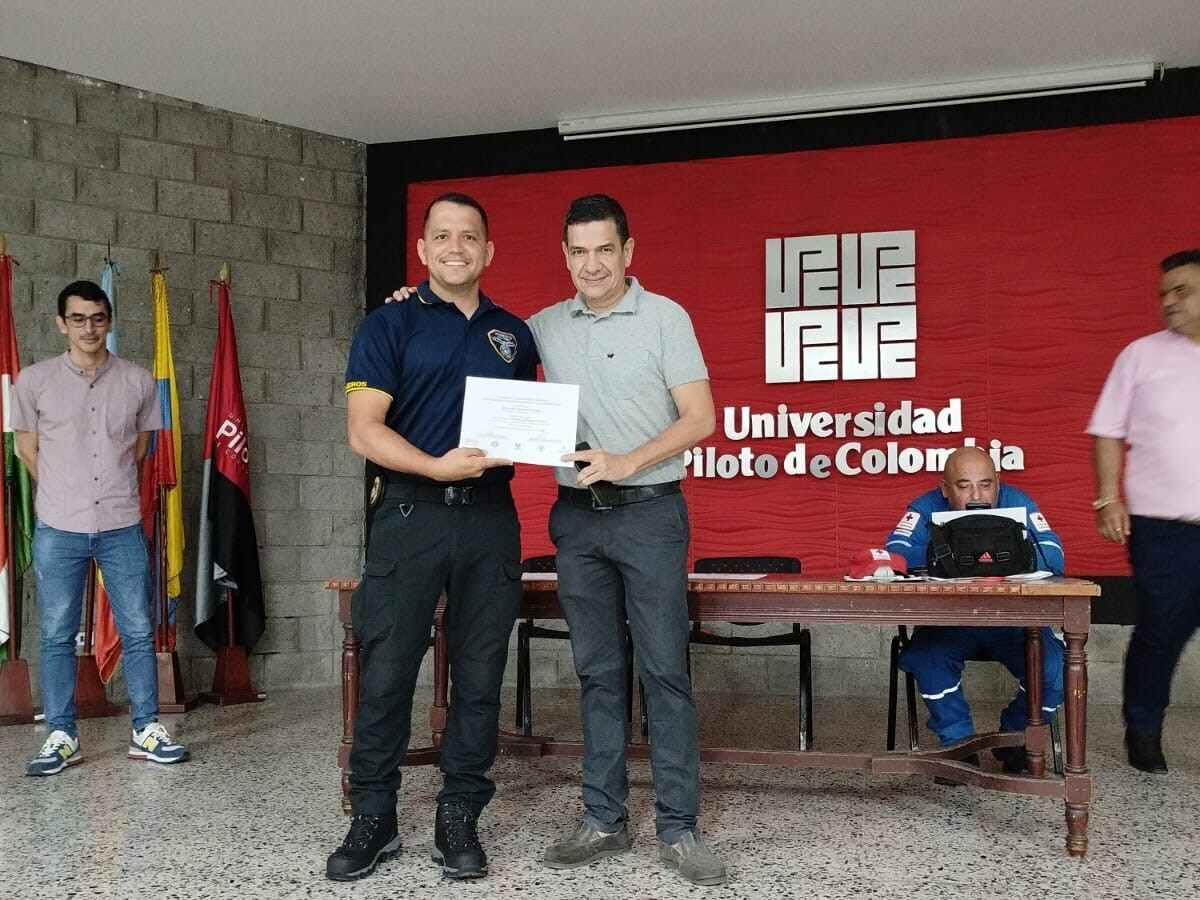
{"x":443,"y":520}
{"x":936,"y":655}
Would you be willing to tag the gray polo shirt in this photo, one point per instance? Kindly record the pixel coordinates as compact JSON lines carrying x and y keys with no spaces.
{"x":625,"y":360}
{"x":87,"y":477}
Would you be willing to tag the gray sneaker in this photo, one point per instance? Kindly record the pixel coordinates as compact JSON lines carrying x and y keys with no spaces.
{"x":586,"y":844}
{"x":693,"y":859}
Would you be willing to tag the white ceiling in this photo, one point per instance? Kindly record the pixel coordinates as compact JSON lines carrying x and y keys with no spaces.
{"x":393,"y":70}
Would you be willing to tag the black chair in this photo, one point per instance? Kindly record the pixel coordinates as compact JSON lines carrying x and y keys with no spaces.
{"x":526,"y":629}
{"x":797,"y":637}
{"x":899,"y":643}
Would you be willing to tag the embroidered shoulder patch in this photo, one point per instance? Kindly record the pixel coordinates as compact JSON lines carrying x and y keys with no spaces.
{"x":504,"y":344}
{"x":908,"y":522}
{"x":1039,"y":521}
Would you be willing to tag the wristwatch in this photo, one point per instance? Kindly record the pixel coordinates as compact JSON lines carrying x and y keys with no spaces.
{"x":1101,"y":502}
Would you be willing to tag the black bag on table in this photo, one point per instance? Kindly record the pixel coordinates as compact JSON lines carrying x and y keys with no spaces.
{"x":979,"y":545}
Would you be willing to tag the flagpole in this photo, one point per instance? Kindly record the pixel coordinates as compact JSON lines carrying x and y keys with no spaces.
{"x":16,"y":695}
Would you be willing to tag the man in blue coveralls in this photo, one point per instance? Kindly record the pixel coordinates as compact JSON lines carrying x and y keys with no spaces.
{"x":936,"y":655}
{"x":444,"y":520}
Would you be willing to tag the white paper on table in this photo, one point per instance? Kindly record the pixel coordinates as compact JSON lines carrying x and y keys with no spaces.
{"x":883,"y":579}
{"x":525,"y":421}
{"x":725,"y":576}
{"x":1016,"y":513}
{"x":1029,"y":576}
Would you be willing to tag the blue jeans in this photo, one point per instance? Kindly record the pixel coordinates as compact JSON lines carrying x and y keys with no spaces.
{"x":936,"y":656}
{"x":60,"y":560}
{"x":1166,"y":574}
{"x":631,"y":561}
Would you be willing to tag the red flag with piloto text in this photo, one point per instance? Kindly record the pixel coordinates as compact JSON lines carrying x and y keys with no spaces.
{"x":228,"y":568}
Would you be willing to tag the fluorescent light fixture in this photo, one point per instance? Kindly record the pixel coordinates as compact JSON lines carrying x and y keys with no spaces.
{"x":885,"y":99}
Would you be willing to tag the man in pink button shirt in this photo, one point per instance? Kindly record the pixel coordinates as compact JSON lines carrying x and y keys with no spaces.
{"x":83,"y":421}
{"x":1149,"y":405}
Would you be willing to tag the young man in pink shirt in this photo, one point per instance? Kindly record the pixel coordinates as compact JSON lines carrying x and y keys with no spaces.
{"x":1148,"y":405}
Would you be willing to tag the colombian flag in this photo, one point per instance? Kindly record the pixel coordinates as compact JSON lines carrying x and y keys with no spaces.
{"x":163,"y":465}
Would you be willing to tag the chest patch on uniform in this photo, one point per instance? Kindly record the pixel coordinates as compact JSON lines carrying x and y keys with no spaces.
{"x":908,"y":522}
{"x":504,"y":344}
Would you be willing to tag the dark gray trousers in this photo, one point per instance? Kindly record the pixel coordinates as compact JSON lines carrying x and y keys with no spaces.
{"x":631,"y":561}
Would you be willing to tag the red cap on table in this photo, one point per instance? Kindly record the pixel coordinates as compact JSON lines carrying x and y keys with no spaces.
{"x":876,"y":563}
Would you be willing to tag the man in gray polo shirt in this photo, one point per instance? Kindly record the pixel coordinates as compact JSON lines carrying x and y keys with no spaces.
{"x":83,"y":421}
{"x":621,"y":530}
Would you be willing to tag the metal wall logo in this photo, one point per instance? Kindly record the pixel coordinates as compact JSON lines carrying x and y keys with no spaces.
{"x":841,"y":307}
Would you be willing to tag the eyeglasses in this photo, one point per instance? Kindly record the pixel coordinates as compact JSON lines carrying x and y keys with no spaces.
{"x":76,"y":320}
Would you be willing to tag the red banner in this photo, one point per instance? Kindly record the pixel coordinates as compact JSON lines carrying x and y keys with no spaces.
{"x":873,"y":304}
{"x":227,"y":568}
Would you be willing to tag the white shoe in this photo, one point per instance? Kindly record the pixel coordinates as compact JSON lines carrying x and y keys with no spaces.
{"x":154,"y":744}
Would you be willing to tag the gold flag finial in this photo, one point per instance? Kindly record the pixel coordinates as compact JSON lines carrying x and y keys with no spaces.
{"x":3,"y":244}
{"x":158,"y":267}
{"x":224,"y":276}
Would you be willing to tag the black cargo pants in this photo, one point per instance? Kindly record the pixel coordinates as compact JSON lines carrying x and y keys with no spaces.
{"x":417,"y":549}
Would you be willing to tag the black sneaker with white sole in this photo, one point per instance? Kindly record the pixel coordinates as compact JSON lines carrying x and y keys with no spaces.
{"x":456,"y":846}
{"x":371,"y":840}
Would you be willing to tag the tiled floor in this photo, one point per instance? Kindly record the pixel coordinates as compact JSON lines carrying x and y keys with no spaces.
{"x":256,"y":811}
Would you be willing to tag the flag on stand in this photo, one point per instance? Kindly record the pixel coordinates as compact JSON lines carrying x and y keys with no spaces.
{"x":111,"y":270}
{"x":16,"y":498}
{"x":227,"y":548}
{"x":162,"y":467}
{"x":106,"y":640}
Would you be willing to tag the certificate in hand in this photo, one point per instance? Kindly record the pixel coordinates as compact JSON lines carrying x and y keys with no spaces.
{"x":525,"y":421}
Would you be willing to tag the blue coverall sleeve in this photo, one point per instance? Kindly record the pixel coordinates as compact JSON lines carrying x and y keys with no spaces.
{"x":1048,"y":544}
{"x":910,"y":537}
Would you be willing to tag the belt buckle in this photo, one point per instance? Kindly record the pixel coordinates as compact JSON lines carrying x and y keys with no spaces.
{"x":460,"y":495}
{"x":598,"y":505}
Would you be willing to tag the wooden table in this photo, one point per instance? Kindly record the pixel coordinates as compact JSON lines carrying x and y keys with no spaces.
{"x":1058,"y":602}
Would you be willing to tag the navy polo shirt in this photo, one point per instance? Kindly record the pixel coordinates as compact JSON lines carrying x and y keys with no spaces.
{"x":420,"y":352}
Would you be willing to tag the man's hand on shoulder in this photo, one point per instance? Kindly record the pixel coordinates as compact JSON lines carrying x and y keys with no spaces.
{"x":462,"y":463}
{"x":401,"y":295}
{"x":601,"y":466}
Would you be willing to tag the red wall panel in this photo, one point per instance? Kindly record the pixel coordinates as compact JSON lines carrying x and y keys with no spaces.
{"x":1035,"y":264}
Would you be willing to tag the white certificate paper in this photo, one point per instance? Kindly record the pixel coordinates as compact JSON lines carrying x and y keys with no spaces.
{"x":525,"y":421}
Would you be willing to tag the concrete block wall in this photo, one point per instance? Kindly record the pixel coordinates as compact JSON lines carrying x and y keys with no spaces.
{"x":87,"y":165}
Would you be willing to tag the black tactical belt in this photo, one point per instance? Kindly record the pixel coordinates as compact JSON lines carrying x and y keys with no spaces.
{"x":604,"y":495}
{"x":450,"y":494}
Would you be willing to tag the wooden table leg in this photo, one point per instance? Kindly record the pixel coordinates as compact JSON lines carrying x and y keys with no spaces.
{"x":441,"y":680}
{"x":1035,"y":738}
{"x":1079,"y":783}
{"x":350,"y":648}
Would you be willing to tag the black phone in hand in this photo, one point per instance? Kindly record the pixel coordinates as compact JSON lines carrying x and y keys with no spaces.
{"x":602,"y":491}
